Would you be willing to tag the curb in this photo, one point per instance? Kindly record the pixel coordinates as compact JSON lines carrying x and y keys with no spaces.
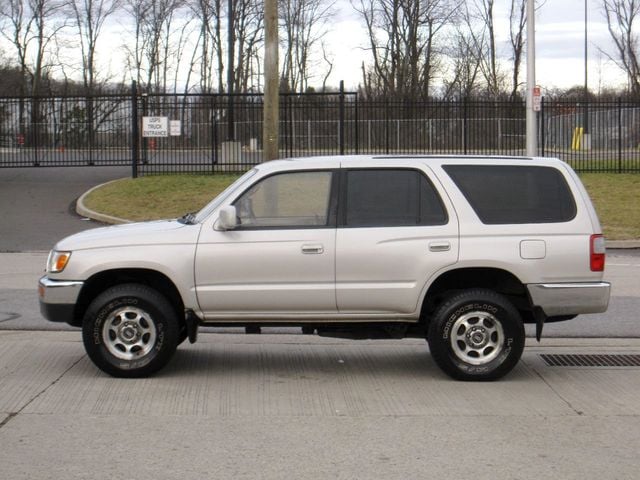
{"x":84,"y":211}
{"x":622,"y":244}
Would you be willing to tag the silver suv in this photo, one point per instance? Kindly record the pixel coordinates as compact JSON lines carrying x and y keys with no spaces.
{"x":461,"y":251}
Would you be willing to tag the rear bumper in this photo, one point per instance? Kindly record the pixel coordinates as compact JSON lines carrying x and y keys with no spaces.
{"x":557,"y":299}
{"x":58,"y":299}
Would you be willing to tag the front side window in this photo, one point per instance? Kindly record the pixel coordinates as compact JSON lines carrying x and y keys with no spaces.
{"x":285,"y":200}
{"x":388,"y":197}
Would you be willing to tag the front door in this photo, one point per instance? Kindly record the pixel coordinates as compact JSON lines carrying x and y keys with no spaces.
{"x":280,"y":259}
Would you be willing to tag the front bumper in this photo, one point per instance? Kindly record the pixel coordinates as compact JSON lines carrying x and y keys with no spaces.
{"x":559,"y":299}
{"x":58,"y":299}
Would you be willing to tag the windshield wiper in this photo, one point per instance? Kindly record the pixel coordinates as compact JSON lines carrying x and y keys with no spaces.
{"x":188,"y":219}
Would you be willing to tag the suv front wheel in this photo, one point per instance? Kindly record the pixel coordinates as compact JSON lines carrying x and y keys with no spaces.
{"x":476,"y":335}
{"x":130,"y":330}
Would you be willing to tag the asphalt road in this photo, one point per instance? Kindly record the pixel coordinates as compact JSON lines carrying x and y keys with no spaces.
{"x":37,"y":205}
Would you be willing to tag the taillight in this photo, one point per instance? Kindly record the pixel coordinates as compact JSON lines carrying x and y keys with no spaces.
{"x":598,"y":252}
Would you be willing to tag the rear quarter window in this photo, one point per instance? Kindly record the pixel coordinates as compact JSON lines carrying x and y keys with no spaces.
{"x":505,"y":194}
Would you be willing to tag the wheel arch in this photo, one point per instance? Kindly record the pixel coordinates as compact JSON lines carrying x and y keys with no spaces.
{"x":496,"y":279}
{"x":101,"y":281}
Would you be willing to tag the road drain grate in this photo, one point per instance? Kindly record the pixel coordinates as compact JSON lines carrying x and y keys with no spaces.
{"x":591,"y":360}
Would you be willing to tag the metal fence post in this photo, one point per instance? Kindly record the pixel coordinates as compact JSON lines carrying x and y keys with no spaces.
{"x":134,"y":130}
{"x":214,"y":134}
{"x":386,"y":125}
{"x":619,"y":134}
{"x":341,"y":115}
{"x":357,"y":126}
{"x":465,"y":125}
{"x":542,"y":128}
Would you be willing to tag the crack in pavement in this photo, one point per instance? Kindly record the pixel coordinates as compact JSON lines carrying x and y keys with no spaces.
{"x":567,"y":402}
{"x":13,"y":415}
{"x":9,"y":316}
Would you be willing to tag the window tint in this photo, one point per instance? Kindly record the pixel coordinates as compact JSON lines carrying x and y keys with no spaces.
{"x":298,"y":199}
{"x":391,"y":198}
{"x":512,"y":194}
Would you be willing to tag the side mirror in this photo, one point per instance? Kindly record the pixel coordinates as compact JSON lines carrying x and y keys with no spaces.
{"x":227,"y":219}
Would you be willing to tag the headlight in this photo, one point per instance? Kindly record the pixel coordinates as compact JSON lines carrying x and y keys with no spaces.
{"x":57,"y":261}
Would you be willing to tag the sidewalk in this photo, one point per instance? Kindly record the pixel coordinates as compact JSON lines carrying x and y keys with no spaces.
{"x":292,"y":406}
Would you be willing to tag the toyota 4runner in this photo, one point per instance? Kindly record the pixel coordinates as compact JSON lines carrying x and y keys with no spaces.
{"x":461,"y":251}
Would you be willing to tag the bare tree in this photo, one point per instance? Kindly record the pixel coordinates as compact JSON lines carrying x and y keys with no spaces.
{"x":248,"y":35}
{"x":517,"y":25}
{"x":480,"y":20}
{"x":466,"y":71}
{"x":153,"y":53}
{"x":402,"y":41}
{"x":304,"y":23}
{"x":16,"y":28}
{"x":621,"y":18}
{"x":31,"y":27}
{"x":89,"y":17}
{"x":209,"y":14}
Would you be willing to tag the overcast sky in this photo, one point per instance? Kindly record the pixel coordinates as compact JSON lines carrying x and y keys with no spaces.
{"x":559,"y":44}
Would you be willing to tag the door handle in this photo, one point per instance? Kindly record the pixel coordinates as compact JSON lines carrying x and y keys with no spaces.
{"x":439,"y":246}
{"x":312,"y":249}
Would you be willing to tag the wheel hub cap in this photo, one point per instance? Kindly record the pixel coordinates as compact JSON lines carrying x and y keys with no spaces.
{"x":129,"y":333}
{"x":477,"y":338}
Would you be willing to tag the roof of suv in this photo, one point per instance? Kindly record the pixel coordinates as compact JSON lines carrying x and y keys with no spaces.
{"x":335,"y":160}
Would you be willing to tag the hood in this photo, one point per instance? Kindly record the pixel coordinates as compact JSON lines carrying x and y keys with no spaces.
{"x":163,"y":232}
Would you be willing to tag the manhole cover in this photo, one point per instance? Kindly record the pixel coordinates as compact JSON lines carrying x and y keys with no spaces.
{"x":591,"y":360}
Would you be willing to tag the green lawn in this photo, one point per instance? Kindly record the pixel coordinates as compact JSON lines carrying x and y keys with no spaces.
{"x":616,"y":197}
{"x":617,"y":201}
{"x":157,"y":197}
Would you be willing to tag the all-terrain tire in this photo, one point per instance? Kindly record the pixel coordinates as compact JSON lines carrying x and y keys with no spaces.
{"x":130,"y":330}
{"x":476,"y":334}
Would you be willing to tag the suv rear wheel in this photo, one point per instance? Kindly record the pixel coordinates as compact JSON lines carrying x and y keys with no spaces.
{"x":130,"y":330}
{"x":476,"y":335}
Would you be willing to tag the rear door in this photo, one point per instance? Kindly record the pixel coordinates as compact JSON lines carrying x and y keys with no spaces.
{"x":396,"y":229}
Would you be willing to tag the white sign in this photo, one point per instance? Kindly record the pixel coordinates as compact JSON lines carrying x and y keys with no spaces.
{"x":537,"y":99}
{"x":174,"y":128}
{"x":155,"y":127}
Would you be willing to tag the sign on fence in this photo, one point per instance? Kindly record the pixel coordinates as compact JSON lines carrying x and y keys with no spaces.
{"x":174,"y":128}
{"x":155,"y":127}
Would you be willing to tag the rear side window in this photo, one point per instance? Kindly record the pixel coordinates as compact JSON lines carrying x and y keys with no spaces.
{"x":388,"y":197}
{"x":512,"y":194}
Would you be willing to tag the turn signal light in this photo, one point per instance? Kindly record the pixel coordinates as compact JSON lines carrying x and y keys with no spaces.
{"x":57,"y":261}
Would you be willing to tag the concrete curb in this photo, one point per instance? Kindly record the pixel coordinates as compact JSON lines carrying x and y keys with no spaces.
{"x":84,"y":211}
{"x":623,"y":243}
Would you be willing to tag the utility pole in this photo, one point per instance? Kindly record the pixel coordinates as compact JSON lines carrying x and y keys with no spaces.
{"x":231,"y":47}
{"x":271,"y":113}
{"x":532,"y":141}
{"x":586,"y":143}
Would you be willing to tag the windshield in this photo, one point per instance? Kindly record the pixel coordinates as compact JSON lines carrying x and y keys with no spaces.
{"x":215,"y":203}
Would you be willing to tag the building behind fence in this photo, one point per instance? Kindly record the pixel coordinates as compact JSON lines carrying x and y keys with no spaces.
{"x":217,"y":133}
